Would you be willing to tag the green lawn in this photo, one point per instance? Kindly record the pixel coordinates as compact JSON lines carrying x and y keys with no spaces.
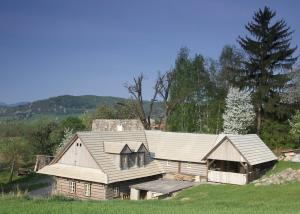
{"x":208,"y":199}
{"x":282,"y":165}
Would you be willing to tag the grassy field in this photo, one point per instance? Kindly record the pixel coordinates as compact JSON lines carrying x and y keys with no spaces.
{"x":282,"y":165}
{"x":210,"y":199}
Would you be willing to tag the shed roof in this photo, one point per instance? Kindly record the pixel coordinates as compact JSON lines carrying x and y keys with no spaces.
{"x":163,"y":186}
{"x":179,"y":146}
{"x":251,"y":147}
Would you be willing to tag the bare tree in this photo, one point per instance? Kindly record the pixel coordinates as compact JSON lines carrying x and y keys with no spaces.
{"x":162,"y":89}
{"x":164,"y":82}
{"x":136,"y":92}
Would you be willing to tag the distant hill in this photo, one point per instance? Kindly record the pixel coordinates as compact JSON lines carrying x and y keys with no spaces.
{"x":61,"y":106}
{"x":13,"y":104}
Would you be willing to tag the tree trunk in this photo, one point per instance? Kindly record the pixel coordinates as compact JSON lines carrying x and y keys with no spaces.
{"x":259,"y":119}
{"x":12,"y":169}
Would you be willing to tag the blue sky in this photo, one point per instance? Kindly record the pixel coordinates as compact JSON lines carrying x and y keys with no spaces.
{"x":57,"y":47}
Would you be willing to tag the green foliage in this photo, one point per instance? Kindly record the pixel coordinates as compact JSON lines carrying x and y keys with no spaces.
{"x":73,"y":123}
{"x":276,"y":135}
{"x":13,"y":129}
{"x":39,"y":136}
{"x":231,"y":65}
{"x":269,"y":57}
{"x":13,"y":154}
{"x":69,"y":125}
{"x":200,"y":101}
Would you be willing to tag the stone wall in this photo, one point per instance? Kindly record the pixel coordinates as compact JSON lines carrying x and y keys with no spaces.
{"x":116,"y":125}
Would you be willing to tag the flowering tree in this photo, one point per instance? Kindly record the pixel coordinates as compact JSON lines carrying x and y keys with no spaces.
{"x":68,"y":134}
{"x":239,"y":113}
{"x":295,"y":126}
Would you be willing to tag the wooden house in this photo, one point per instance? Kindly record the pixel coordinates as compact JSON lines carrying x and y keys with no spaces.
{"x":238,"y":159}
{"x":106,"y":164}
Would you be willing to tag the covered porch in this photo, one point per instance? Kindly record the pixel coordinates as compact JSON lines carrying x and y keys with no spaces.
{"x":230,"y":172}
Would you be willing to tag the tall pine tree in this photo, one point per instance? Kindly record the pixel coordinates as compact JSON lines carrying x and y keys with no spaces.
{"x":269,"y":57}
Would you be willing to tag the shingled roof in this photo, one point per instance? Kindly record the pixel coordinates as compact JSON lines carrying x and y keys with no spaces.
{"x":185,"y":147}
{"x":94,"y":142}
{"x":179,"y":146}
{"x":250,"y":146}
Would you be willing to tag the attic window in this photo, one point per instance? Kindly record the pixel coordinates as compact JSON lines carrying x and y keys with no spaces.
{"x":132,"y":160}
{"x":124,"y":161}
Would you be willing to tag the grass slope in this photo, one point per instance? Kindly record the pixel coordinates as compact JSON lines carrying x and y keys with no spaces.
{"x":282,"y":165}
{"x":211,"y":199}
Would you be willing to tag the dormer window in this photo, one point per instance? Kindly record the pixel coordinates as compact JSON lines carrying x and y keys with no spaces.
{"x":130,"y":154}
{"x":132,"y":162}
{"x":124,"y":161}
{"x":141,"y":159}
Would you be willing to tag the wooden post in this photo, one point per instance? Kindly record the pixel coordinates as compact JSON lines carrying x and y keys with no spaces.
{"x":207,"y":166}
{"x":245,"y":166}
{"x":210,"y":163}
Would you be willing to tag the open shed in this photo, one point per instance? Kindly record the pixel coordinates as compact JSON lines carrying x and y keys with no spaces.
{"x":238,"y":159}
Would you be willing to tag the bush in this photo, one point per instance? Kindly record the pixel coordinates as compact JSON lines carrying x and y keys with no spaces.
{"x":276,"y":135}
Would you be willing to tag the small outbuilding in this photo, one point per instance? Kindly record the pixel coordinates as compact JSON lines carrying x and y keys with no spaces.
{"x":157,"y":189}
{"x":238,"y":159}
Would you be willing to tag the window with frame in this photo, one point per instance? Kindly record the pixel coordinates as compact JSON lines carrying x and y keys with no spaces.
{"x":141,"y":159}
{"x":124,"y":161}
{"x":87,"y":190}
{"x":116,"y":191}
{"x":72,"y":186}
{"x":132,"y":160}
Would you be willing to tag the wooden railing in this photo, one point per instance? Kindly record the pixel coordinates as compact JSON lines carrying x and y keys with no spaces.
{"x":227,"y":177}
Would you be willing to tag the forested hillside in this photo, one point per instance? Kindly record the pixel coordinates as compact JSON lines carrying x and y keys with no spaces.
{"x":61,"y":106}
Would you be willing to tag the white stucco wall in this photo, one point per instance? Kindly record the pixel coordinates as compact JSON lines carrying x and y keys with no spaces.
{"x":78,"y":155}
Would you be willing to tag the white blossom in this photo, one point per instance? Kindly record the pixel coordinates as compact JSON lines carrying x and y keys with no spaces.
{"x":239,"y":112}
{"x":68,"y":134}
